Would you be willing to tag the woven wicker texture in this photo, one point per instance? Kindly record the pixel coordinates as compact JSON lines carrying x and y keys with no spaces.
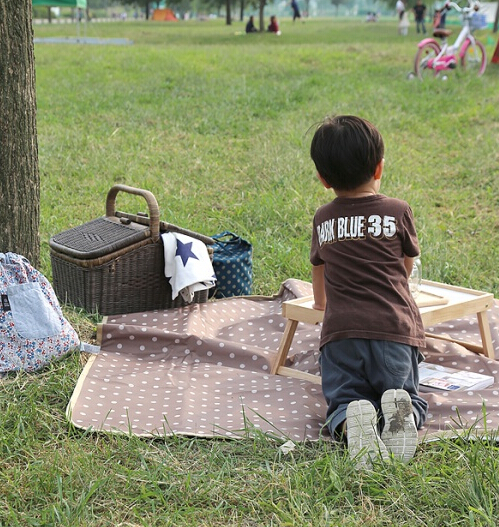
{"x":115,"y":265}
{"x":97,"y":238}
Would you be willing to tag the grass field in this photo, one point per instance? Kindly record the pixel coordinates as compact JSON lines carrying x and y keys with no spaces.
{"x":217,"y":125}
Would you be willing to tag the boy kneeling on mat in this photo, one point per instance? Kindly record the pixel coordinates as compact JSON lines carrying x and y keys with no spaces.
{"x":362,"y":252}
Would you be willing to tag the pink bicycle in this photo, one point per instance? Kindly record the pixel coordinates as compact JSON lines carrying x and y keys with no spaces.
{"x":432,"y":57}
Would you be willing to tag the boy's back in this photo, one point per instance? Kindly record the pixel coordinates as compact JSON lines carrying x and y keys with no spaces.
{"x":361,"y":242}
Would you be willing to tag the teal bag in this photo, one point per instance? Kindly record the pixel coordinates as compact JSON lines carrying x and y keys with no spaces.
{"x":233,"y":265}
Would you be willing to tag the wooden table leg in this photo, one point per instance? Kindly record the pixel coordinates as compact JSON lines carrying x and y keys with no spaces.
{"x":483,"y":323}
{"x":486,"y":348}
{"x":287,"y":339}
{"x":297,"y":374}
{"x":475,"y":348}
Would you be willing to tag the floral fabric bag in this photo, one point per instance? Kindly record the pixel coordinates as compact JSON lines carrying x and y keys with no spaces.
{"x":33,"y":330}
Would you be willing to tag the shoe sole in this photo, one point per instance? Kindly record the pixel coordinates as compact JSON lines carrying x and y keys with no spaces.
{"x":400,"y":434}
{"x":364,"y":443}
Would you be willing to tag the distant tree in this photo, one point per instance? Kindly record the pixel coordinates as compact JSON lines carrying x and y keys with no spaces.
{"x":211,"y":6}
{"x":180,"y":6}
{"x":146,"y":4}
{"x":250,"y":4}
{"x":229,"y":4}
{"x":19,"y":173}
{"x":98,"y":4}
{"x":337,"y":3}
{"x":261,"y":7}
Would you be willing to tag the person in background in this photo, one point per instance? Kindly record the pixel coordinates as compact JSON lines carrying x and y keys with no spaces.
{"x":273,"y":26}
{"x":439,"y":18}
{"x":296,"y":10}
{"x":403,"y":27}
{"x":400,"y":8}
{"x":250,"y":26}
{"x":419,"y":14}
{"x":362,"y":253}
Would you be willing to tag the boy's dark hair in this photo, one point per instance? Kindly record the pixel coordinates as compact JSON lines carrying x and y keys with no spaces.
{"x":346,"y":151}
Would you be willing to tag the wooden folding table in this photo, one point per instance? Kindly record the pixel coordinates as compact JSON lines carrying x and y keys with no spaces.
{"x":437,"y":303}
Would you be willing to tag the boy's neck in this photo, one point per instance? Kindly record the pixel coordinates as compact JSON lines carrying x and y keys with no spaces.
{"x":371,"y":188}
{"x":356,"y":193}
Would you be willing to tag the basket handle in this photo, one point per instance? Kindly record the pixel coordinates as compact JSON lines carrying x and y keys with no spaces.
{"x":152,"y":204}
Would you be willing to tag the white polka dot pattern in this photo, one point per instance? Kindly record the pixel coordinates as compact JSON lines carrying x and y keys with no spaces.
{"x":203,"y":370}
{"x":232,"y":263}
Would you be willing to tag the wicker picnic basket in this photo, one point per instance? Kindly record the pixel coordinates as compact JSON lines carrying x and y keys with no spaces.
{"x":115,"y":264}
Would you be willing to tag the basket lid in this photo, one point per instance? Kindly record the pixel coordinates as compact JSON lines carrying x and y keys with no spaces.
{"x":98,"y":238}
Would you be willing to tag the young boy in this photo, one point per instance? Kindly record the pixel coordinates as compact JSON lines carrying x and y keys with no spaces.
{"x":363,"y":248}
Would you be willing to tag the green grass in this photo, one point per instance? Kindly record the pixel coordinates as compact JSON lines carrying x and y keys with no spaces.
{"x":216,"y":124}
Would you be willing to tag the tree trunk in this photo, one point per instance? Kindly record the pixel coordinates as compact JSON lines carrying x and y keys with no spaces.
{"x":19,"y":175}
{"x":261,"y":21}
{"x":496,"y":19}
{"x":228,"y":15}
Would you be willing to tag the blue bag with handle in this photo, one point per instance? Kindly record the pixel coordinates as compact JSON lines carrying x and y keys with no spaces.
{"x":233,"y":265}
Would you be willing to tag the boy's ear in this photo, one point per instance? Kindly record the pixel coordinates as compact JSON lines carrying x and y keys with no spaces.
{"x":379,"y":169}
{"x":323,"y":181}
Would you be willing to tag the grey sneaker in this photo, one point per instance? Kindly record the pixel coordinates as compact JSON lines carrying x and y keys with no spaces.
{"x":364,"y":443}
{"x":400,"y":434}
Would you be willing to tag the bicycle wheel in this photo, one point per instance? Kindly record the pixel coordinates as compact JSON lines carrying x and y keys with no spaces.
{"x":426,"y":52}
{"x":474,"y":57}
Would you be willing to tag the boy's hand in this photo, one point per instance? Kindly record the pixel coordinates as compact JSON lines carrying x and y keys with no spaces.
{"x":319,"y":307}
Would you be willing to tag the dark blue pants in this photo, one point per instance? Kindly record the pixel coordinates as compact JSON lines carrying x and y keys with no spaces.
{"x":354,"y":369}
{"x":420,"y":23}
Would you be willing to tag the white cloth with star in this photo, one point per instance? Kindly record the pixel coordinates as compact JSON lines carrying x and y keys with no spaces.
{"x":187,"y":265}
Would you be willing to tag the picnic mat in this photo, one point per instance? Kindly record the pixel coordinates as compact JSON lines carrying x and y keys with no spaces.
{"x":203,"y":370}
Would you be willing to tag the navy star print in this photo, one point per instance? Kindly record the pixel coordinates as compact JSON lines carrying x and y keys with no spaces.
{"x":185,"y":252}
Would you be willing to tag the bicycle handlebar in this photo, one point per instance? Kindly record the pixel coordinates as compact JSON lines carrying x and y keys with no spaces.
{"x":474,"y":5}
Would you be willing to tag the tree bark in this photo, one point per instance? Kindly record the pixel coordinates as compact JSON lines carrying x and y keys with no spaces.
{"x":261,"y":21}
{"x":19,"y":173}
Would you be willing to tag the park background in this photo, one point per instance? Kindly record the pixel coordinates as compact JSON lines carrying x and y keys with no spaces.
{"x":217,"y":124}
{"x":105,"y":10}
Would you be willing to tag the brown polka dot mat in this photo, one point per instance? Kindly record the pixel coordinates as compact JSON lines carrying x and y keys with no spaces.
{"x":203,"y":370}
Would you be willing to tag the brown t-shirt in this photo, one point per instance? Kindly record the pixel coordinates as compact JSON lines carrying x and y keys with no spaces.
{"x":362,"y":243}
